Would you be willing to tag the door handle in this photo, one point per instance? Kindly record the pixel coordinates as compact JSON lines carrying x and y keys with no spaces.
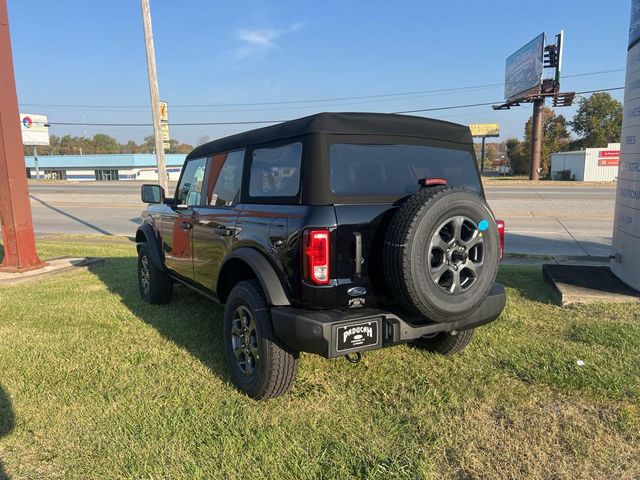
{"x":186,"y":225}
{"x":224,"y":231}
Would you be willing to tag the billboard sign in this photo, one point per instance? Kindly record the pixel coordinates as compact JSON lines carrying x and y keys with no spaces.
{"x":485,"y":129}
{"x":35,"y":130}
{"x":524,"y":68}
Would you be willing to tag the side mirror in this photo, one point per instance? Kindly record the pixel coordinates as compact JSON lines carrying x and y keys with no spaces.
{"x":152,"y":193}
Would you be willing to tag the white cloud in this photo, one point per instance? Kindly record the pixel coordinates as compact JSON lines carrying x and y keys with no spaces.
{"x":257,"y":42}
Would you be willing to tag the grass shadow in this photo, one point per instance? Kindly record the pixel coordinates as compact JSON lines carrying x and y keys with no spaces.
{"x":190,"y":321}
{"x":528,"y":281}
{"x":7,"y":424}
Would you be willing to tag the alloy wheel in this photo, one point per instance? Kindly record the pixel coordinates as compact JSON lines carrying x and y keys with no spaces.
{"x":244,"y":340}
{"x":456,"y":255}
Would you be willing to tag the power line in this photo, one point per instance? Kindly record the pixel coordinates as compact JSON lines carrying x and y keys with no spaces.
{"x":171,"y":124}
{"x":494,"y":103}
{"x":257,"y":122}
{"x":317,"y":100}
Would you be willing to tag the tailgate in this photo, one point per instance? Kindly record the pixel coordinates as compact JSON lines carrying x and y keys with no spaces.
{"x":359,"y":244}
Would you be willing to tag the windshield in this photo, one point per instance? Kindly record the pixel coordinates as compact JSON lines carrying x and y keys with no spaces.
{"x":394,"y":170}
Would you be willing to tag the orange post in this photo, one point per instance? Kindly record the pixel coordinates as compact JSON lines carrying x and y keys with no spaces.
{"x":15,"y":210}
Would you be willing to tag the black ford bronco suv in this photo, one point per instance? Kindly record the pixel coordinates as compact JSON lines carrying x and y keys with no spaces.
{"x":331,"y":234}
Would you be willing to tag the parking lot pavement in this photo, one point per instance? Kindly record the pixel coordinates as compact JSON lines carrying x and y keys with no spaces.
{"x":540,"y":220}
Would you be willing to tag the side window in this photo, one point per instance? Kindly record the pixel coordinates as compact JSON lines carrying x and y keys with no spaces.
{"x":275,"y":172}
{"x":190,"y":188}
{"x":226,"y":172}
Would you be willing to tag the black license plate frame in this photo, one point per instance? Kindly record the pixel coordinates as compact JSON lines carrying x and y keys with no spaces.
{"x":357,"y":336}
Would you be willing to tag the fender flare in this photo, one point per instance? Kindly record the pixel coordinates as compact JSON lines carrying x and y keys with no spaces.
{"x":147,"y":234}
{"x":264,"y":272}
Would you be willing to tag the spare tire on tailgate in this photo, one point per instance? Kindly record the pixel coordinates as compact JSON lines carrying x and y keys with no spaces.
{"x":441,"y":252}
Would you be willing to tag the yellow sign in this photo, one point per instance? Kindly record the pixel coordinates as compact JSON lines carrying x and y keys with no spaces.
{"x":485,"y":129}
{"x":164,"y":112}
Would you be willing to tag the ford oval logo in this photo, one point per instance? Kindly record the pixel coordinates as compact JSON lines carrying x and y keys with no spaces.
{"x":357,"y":291}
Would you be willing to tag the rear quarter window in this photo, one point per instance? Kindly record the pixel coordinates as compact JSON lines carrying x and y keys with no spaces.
{"x":394,"y":170}
{"x":275,"y":172}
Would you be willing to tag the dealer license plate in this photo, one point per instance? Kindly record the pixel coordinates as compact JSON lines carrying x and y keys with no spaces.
{"x":357,"y":335}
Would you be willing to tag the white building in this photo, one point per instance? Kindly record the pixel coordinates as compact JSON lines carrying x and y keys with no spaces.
{"x":107,"y":167}
{"x":589,"y":165}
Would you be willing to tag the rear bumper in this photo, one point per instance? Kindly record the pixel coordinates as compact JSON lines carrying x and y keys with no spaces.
{"x":317,"y":331}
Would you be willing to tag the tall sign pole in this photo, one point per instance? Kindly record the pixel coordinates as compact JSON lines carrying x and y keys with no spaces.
{"x":536,"y":139}
{"x":15,"y":210}
{"x":155,"y":95}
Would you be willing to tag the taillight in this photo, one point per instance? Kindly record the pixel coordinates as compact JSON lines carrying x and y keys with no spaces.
{"x":316,"y":256}
{"x":500,"y":224}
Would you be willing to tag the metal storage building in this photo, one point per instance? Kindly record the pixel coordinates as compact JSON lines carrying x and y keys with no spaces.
{"x":589,"y":165}
{"x":103,"y":167}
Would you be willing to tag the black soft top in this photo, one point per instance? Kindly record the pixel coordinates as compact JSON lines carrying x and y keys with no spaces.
{"x":385,"y":124}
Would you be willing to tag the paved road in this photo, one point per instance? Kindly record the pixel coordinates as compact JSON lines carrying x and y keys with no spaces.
{"x":552,"y":220}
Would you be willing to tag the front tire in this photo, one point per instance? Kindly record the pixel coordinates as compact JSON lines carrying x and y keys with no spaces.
{"x":156,"y":287}
{"x":260,"y":365}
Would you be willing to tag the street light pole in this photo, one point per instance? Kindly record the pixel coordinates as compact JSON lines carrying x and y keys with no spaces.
{"x":154,"y":92}
{"x":15,"y":210}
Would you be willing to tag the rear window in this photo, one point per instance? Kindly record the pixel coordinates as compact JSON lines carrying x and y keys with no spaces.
{"x":390,"y":170}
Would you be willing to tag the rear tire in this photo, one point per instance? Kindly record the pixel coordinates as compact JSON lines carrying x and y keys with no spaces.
{"x":260,"y":365}
{"x":444,"y":343}
{"x":441,"y":253}
{"x":156,"y":287}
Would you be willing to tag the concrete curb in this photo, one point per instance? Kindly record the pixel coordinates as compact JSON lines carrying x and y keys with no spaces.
{"x":586,"y":284}
{"x":54,"y":266}
{"x":526,"y":259}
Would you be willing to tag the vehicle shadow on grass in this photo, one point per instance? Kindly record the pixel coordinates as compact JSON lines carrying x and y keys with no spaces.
{"x":527,"y":281}
{"x":7,"y":423}
{"x":191,"y":321}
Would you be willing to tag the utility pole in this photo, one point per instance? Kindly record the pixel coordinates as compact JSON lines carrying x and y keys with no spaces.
{"x":536,"y":139}
{"x":155,"y":95}
{"x":482,"y":155}
{"x":35,"y":161}
{"x":15,"y":210}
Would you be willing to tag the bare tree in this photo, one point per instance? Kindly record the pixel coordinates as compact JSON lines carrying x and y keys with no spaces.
{"x":203,"y":139}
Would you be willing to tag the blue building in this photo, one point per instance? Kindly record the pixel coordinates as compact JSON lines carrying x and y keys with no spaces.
{"x":107,"y":167}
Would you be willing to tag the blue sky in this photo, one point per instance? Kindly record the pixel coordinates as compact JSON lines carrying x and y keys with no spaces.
{"x":73,"y":53}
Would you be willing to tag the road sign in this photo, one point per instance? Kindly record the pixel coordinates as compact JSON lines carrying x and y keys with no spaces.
{"x":164,"y":125}
{"x":609,"y":158}
{"x":485,"y":129}
{"x":35,"y":130}
{"x":164,"y":112}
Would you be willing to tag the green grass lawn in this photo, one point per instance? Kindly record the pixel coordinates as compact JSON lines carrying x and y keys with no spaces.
{"x":95,"y":384}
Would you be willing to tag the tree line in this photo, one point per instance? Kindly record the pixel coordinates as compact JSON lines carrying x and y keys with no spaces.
{"x":597,"y":123}
{"x":102,"y":143}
